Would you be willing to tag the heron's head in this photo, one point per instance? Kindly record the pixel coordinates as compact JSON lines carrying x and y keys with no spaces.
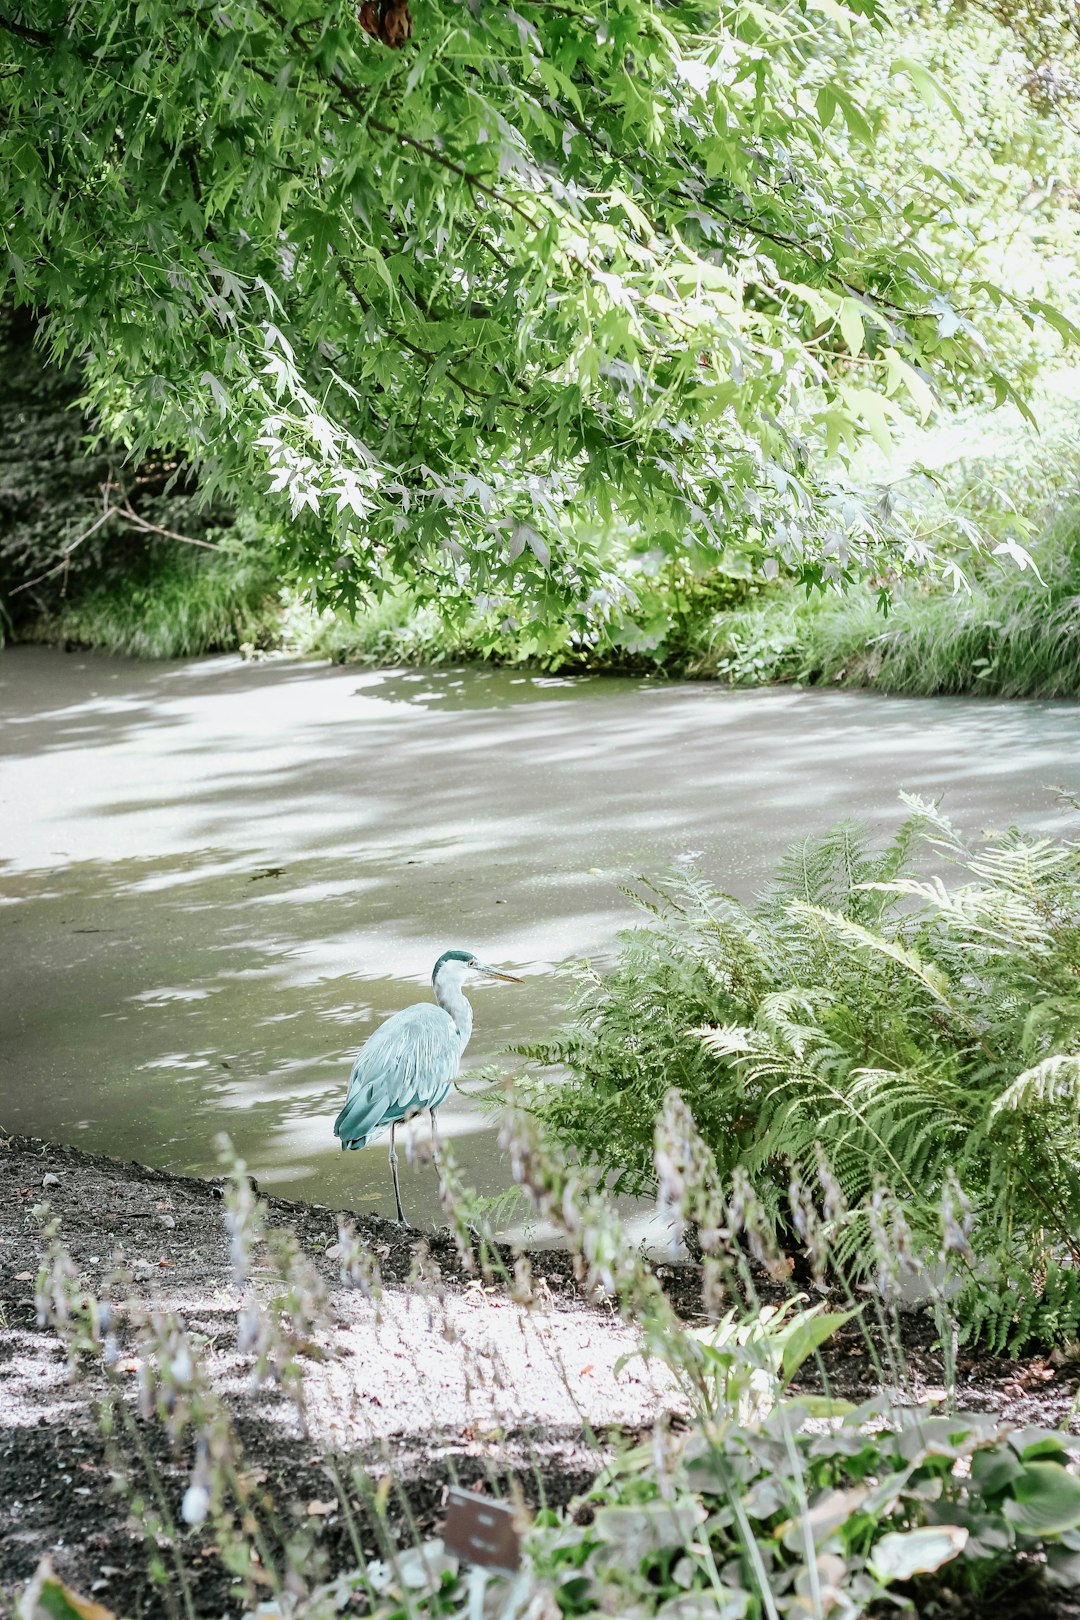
{"x":456,"y":964}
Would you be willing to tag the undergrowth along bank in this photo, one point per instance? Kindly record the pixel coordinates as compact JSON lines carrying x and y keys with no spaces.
{"x":1012,"y":635}
{"x":865,"y":1030}
{"x":1008,"y":631}
{"x":175,"y":604}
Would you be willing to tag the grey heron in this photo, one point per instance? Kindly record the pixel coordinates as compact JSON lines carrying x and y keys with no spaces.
{"x":409,"y":1063}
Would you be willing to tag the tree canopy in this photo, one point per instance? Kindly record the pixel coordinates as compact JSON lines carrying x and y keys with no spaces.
{"x":465,"y":282}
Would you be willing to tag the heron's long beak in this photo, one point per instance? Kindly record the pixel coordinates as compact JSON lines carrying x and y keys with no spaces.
{"x":494,"y":973}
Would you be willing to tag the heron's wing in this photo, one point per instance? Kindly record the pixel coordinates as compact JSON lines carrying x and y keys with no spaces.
{"x":408,"y":1063}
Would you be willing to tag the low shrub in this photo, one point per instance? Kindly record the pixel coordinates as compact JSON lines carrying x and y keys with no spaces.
{"x":790,"y":1515}
{"x":920,"y":1039}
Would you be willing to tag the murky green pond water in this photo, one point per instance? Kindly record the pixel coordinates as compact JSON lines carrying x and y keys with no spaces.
{"x":216,"y":878}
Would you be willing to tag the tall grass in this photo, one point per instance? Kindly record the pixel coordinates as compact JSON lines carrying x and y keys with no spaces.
{"x":1014,"y":635}
{"x":180,"y":604}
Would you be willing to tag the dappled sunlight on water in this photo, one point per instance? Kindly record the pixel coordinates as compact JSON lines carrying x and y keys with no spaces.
{"x":219,"y":877}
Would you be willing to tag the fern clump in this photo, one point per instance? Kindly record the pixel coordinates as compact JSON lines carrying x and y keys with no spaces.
{"x":873,"y":1016}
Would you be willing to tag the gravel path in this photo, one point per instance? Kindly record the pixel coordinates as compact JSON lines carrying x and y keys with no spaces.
{"x":443,"y":1381}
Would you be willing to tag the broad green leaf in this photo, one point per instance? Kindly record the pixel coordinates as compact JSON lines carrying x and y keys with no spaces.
{"x":808,"y":1334}
{"x":873,"y":412}
{"x":48,"y":1598}
{"x":993,"y":1472}
{"x":1063,"y":1569}
{"x":851,"y":325}
{"x":1038,"y":1444}
{"x":1046,"y":1500}
{"x":650,"y":1527}
{"x":826,"y":1515}
{"x":902,"y":372}
{"x":1058,"y":320}
{"x":904,"y":1553}
{"x":821,"y":1406}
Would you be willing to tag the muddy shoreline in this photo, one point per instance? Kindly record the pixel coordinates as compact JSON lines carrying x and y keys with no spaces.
{"x":395,"y":1403}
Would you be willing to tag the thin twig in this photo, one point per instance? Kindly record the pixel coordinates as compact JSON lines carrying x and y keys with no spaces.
{"x":169,"y":534}
{"x":59,"y":567}
{"x":111,"y":511}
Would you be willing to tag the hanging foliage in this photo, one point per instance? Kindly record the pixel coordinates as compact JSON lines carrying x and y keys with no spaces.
{"x":460,"y":283}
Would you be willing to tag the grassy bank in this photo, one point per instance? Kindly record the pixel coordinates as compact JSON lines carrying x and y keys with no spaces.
{"x":179,"y":603}
{"x":1013,"y":632}
{"x":1013,"y":635}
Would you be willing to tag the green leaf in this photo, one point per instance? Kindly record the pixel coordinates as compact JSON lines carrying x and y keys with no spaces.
{"x":827,"y":1514}
{"x":47,"y":1595}
{"x":1060,"y":322}
{"x":993,"y":1472}
{"x":821,"y":1406}
{"x":1046,"y":1500}
{"x":835,"y":12}
{"x":904,"y":1553}
{"x":650,"y":1527}
{"x":1037,"y":1444}
{"x":851,"y":325}
{"x":928,"y":84}
{"x":808,"y":1334}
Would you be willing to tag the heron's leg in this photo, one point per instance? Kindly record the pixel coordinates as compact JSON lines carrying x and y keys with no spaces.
{"x":436,"y":1145}
{"x":393,"y":1172}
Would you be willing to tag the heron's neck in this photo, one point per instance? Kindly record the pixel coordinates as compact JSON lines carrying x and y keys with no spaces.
{"x":451,"y":998}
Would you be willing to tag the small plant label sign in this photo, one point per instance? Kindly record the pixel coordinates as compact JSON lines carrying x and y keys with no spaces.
{"x":482,"y":1531}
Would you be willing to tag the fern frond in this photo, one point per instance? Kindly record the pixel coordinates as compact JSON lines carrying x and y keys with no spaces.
{"x":932,"y":823}
{"x":1003,"y":922}
{"x":1023,"y":865}
{"x":1054,"y":1081}
{"x":851,"y":933}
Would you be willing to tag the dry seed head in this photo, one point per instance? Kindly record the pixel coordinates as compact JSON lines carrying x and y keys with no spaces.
{"x":887,"y":1259}
{"x":522,"y":1290}
{"x":808,"y":1225}
{"x":248,"y":1328}
{"x":357,"y":1267}
{"x":956,"y":1219}
{"x":450,"y":1197}
{"x":713,"y":1286}
{"x":663,"y":1452}
{"x":834,"y":1203}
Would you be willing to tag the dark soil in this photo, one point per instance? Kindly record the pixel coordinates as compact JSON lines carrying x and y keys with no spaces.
{"x":58,"y":1479}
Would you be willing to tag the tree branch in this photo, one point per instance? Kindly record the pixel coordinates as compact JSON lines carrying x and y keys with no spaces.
{"x":111,"y":511}
{"x":21,"y":31}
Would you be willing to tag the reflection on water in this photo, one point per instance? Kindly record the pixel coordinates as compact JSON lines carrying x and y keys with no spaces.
{"x":218,"y":877}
